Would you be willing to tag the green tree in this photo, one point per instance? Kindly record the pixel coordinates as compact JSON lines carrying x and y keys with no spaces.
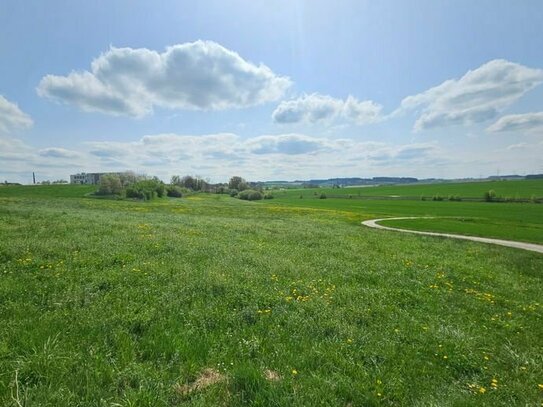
{"x":238,"y":183}
{"x":110,"y":184}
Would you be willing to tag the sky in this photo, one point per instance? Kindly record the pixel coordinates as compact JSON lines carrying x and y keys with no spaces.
{"x":271,"y":89}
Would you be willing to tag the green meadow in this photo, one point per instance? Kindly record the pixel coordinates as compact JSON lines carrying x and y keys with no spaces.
{"x":514,"y":189}
{"x":503,"y":220}
{"x":209,"y":300}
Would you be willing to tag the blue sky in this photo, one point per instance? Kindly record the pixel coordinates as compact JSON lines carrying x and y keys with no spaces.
{"x":271,"y":89}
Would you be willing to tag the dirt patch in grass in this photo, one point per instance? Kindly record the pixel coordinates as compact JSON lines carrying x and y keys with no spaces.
{"x":272,"y":375}
{"x":207,"y":378}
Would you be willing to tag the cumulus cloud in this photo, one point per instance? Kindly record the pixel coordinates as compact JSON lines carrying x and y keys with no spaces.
{"x":201,"y":75}
{"x":11,"y":117}
{"x":518,"y":146}
{"x":262,"y":157}
{"x":476,"y":97}
{"x":291,"y":144}
{"x":518,"y":122}
{"x":387,"y":154}
{"x":57,"y":152}
{"x":316,"y":108}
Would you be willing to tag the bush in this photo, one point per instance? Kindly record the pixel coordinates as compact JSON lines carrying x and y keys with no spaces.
{"x":455,"y":198}
{"x":322,"y":196}
{"x":233,"y":192}
{"x":268,"y":196}
{"x":437,"y":198}
{"x":146,"y":189}
{"x":250,"y":195}
{"x":110,"y":184}
{"x":174,"y":191}
{"x":132,"y":192}
{"x":490,"y":196}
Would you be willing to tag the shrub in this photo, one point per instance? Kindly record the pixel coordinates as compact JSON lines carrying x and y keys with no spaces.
{"x":132,"y":192}
{"x":250,"y":195}
{"x":490,"y":196}
{"x":322,"y":196}
{"x":110,"y":184}
{"x":437,"y":198}
{"x":146,"y":189}
{"x":233,"y":192}
{"x":174,"y":191}
{"x":268,"y":196}
{"x":455,"y":198}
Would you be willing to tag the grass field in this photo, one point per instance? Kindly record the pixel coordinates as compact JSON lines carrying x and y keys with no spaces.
{"x":512,"y":221}
{"x":209,"y":300}
{"x":514,"y":189}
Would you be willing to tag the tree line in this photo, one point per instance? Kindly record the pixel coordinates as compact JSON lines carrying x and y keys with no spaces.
{"x":131,"y":185}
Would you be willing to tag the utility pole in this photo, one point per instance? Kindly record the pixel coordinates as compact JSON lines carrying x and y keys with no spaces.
{"x":33,"y":178}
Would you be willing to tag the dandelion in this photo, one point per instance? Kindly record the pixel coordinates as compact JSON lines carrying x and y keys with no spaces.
{"x":445,"y":357}
{"x":494,"y":384}
{"x":482,"y":390}
{"x":294,"y":372}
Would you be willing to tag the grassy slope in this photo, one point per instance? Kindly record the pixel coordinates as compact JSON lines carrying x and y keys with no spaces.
{"x":514,"y":189}
{"x":119,"y":301}
{"x":46,"y":191}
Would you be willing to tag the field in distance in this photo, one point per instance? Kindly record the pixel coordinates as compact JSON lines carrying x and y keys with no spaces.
{"x":502,"y":220}
{"x":526,"y":189}
{"x":210,"y":300}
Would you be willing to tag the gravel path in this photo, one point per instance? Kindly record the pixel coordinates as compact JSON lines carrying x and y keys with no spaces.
{"x":373,"y":223}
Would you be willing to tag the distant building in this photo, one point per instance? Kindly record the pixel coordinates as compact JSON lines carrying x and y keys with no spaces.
{"x":90,"y":178}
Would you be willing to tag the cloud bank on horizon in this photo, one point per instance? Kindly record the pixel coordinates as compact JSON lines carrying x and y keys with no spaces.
{"x":206,"y":76}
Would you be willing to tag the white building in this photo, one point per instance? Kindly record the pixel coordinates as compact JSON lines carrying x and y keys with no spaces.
{"x":90,"y":178}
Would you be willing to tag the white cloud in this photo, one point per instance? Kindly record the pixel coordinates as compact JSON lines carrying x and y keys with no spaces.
{"x":518,"y":146}
{"x":12,"y":117}
{"x":476,"y":97}
{"x":291,"y":144}
{"x":289,"y":156}
{"x":317,"y":108}
{"x":264,"y":157}
{"x":518,"y":122}
{"x":57,"y":152}
{"x":201,"y":75}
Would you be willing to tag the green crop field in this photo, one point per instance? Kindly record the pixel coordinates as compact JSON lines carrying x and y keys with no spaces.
{"x":210,"y":300}
{"x":512,"y":221}
{"x":512,"y":189}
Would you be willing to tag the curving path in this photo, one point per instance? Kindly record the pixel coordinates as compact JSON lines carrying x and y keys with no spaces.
{"x":373,"y":223}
